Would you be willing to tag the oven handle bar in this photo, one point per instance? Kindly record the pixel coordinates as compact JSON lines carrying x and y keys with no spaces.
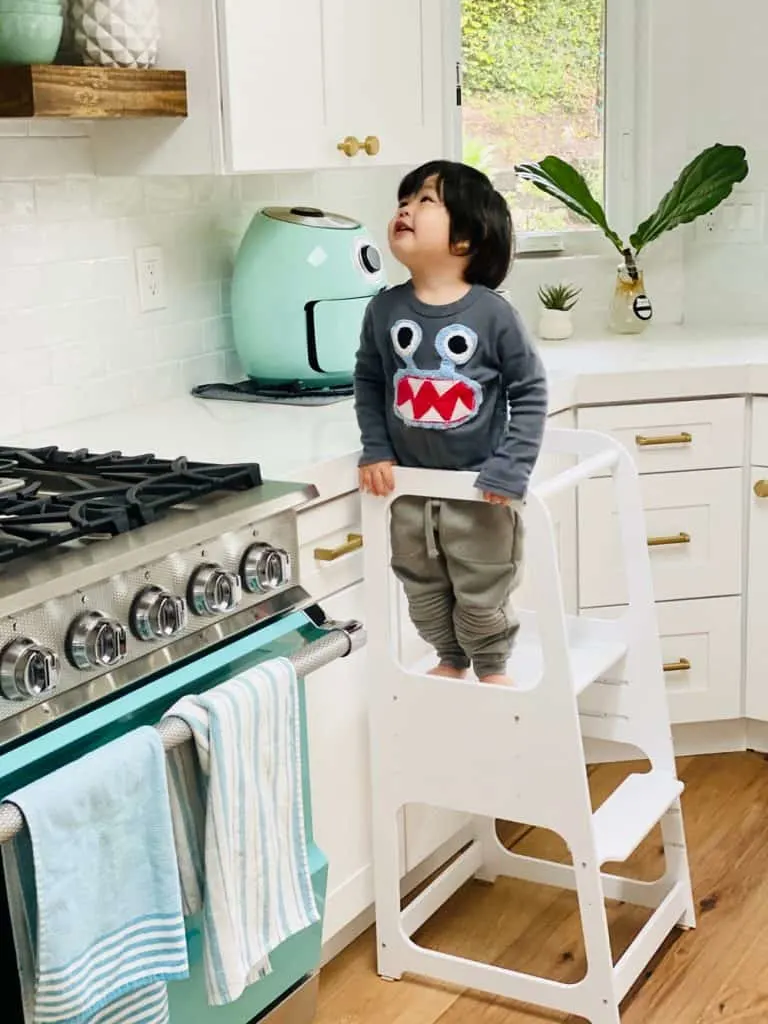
{"x":340,"y":640}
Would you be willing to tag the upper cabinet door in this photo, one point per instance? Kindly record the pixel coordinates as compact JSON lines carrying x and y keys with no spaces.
{"x":271,"y":67}
{"x":384,"y":78}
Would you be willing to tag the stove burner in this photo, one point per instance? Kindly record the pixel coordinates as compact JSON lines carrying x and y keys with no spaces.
{"x":65,"y":496}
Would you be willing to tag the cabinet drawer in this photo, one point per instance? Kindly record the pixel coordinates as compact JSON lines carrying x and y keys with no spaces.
{"x":757,"y":600}
{"x":697,"y":514}
{"x":760,"y":432}
{"x":327,"y":528}
{"x":665,"y":437}
{"x":701,"y":648}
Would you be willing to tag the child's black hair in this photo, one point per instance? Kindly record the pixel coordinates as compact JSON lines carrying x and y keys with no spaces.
{"x":479,"y":216}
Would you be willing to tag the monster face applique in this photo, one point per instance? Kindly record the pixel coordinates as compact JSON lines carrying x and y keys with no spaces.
{"x":438,"y":399}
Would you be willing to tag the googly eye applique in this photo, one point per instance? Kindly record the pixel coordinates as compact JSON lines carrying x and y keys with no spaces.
{"x":456,"y":343}
{"x":406,"y":338}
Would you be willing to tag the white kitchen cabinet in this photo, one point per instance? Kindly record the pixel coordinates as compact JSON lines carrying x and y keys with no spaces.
{"x":330,"y":545}
{"x":337,"y":715}
{"x":694,"y":530}
{"x":673,"y":437}
{"x":384,"y":77}
{"x":701,"y":648}
{"x":757,"y":597}
{"x":275,"y":87}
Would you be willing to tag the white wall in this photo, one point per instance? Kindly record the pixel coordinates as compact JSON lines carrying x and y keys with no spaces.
{"x":725,"y":101}
{"x":72,"y":339}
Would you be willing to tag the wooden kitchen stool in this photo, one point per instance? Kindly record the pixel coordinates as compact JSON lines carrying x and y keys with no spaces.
{"x":517,"y":754}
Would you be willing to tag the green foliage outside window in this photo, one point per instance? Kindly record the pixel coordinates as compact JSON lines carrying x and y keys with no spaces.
{"x":541,"y":51}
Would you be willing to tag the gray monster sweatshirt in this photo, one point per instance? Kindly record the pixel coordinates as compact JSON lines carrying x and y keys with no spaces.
{"x":451,"y":387}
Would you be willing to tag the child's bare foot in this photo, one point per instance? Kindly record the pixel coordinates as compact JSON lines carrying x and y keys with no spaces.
{"x":448,"y":672}
{"x":498,"y":680}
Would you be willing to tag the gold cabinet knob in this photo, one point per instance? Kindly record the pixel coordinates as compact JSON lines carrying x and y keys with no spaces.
{"x":351,"y":146}
{"x":761,"y":488}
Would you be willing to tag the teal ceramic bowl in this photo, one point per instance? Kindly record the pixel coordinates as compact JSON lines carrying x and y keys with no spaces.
{"x":33,"y":6}
{"x":53,"y":8}
{"x":30,"y":38}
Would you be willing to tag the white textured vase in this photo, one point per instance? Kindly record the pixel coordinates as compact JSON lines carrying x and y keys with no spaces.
{"x":116,"y":33}
{"x":555,"y":325}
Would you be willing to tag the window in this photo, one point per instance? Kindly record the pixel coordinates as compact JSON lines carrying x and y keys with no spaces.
{"x":548,"y":76}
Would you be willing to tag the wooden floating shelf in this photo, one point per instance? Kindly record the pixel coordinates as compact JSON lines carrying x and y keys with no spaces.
{"x":89,"y":93}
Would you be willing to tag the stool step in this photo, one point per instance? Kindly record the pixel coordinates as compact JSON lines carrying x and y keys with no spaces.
{"x":595,"y":646}
{"x":631,"y":812}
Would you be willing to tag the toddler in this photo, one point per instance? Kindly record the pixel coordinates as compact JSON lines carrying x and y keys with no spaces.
{"x":446,"y":378}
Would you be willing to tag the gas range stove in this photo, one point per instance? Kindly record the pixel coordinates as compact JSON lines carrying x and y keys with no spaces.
{"x":113,"y":567}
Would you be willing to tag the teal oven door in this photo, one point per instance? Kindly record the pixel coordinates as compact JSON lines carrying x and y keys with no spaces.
{"x":295,"y":959}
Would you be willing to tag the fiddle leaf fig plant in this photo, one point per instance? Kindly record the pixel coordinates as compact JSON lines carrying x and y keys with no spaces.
{"x":702,"y":185}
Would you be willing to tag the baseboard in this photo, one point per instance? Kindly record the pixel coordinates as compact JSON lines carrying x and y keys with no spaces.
{"x":757,"y":737}
{"x":689,"y":740}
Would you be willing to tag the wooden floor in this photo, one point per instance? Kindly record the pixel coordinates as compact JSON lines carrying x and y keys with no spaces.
{"x":716,"y":974}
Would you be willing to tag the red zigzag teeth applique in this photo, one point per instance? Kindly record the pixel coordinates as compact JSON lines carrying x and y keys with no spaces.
{"x":428,"y":397}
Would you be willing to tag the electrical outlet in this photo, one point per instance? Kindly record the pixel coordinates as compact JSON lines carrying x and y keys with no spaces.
{"x":737,"y":221}
{"x":150,"y":276}
{"x":707,"y":227}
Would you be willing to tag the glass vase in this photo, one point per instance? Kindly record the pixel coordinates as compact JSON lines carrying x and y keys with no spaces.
{"x":631,"y":309}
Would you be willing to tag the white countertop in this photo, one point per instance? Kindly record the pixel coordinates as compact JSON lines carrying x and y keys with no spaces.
{"x":319,"y":444}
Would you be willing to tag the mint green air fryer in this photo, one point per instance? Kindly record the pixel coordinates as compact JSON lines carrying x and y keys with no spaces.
{"x":301,"y":283}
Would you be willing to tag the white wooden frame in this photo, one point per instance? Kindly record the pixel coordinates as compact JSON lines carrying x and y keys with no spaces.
{"x":624,"y":98}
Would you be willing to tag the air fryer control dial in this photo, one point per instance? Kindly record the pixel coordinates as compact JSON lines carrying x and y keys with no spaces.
{"x":370,"y":259}
{"x":27,"y":670}
{"x":265,"y":568}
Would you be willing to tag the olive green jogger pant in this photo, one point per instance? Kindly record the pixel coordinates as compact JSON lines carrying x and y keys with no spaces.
{"x":459,"y":561}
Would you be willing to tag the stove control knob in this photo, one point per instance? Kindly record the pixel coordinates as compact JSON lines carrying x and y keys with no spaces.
{"x":214,"y":591}
{"x":96,"y":641}
{"x":27,"y":670}
{"x":157,"y":615}
{"x":265,"y":568}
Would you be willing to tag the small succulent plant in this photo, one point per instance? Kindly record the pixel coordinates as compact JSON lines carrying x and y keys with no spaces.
{"x":559,"y":296}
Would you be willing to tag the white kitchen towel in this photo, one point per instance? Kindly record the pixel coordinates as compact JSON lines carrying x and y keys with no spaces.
{"x":237,"y":805}
{"x":94,"y":889}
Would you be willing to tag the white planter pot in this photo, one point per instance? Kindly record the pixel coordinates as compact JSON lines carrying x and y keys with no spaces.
{"x":555,"y":325}
{"x":116,"y":33}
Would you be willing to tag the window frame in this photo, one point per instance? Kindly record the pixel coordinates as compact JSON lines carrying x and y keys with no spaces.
{"x":624,"y":35}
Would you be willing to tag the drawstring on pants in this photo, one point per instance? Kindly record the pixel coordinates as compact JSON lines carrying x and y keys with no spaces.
{"x":431,"y":507}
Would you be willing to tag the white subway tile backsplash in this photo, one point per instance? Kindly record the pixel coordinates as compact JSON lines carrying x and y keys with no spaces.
{"x":64,"y":199}
{"x":17,"y":201}
{"x":20,"y":287}
{"x":25,"y":157}
{"x":118,"y":197}
{"x":61,"y":129}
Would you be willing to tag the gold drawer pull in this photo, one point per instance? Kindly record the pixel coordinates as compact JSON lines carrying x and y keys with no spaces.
{"x":679,"y":538}
{"x":353,"y":542}
{"x":761,"y":488}
{"x":647,"y":442}
{"x":678,"y":666}
{"x":351,"y":146}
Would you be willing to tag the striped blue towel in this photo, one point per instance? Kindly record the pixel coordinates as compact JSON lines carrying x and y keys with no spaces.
{"x":94,"y":889}
{"x":237,"y":805}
